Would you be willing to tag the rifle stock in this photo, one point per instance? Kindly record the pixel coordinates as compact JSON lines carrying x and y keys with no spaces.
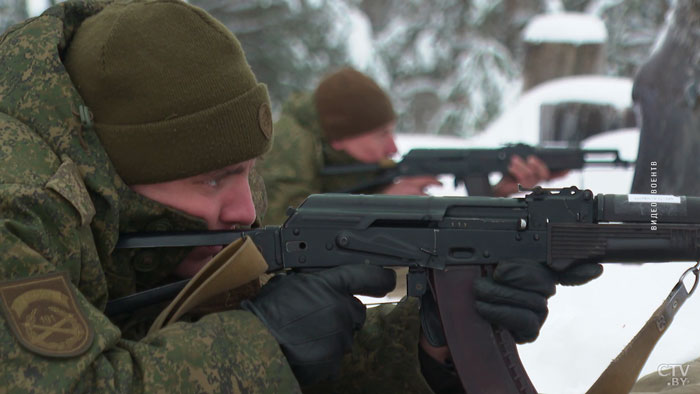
{"x":448,"y":241}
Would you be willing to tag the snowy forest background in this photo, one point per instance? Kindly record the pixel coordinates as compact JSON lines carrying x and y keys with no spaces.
{"x":451,"y":66}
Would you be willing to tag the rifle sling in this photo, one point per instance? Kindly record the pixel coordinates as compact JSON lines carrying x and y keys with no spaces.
{"x":623,"y":371}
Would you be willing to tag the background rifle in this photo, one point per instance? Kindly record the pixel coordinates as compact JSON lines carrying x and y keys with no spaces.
{"x":473,"y":166}
{"x":449,"y":241}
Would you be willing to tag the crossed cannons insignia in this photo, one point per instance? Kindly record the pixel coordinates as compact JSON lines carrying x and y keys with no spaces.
{"x":44,"y":316}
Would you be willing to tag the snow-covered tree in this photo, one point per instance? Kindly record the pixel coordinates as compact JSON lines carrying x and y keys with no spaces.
{"x":451,"y":66}
{"x":290,"y":44}
{"x":633,"y":27}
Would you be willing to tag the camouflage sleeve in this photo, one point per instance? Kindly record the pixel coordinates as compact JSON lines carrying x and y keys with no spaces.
{"x":384,"y":357}
{"x":290,"y":169}
{"x":52,"y":336}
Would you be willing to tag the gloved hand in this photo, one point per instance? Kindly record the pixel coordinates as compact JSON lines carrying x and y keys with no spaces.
{"x":313,"y":315}
{"x":516,"y":296}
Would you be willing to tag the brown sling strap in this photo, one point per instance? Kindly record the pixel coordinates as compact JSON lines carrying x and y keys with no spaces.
{"x":624,"y":370}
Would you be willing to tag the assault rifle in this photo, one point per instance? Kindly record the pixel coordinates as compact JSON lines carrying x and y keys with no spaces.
{"x":473,"y":166}
{"x":448,"y":241}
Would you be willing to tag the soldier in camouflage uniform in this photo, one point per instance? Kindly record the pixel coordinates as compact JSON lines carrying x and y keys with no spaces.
{"x":65,"y":198}
{"x":349,"y":119}
{"x":144,"y":116}
{"x":63,"y":205}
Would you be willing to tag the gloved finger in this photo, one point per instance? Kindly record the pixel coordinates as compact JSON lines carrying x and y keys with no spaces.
{"x":526,"y":275}
{"x":358,"y":313}
{"x":362,"y":279}
{"x":523,"y":324}
{"x":273,"y":282}
{"x":486,"y":290}
{"x":580,"y":274}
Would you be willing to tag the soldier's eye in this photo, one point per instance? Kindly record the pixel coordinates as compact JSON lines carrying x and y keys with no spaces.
{"x":212,"y":182}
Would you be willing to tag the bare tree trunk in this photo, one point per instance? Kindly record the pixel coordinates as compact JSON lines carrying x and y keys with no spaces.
{"x":551,"y":60}
{"x":11,"y":12}
{"x":549,"y":56}
{"x":667,"y":90}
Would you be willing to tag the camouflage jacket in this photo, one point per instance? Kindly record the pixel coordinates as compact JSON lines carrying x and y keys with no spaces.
{"x":62,"y":207}
{"x":292,"y":168}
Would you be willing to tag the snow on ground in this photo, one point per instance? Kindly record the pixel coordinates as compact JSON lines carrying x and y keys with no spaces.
{"x":566,"y":27}
{"x":588,"y":325}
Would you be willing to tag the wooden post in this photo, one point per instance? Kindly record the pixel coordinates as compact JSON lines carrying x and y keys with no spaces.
{"x":563,"y":44}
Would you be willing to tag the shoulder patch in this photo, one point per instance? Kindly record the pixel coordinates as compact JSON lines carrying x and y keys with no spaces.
{"x":44,"y":316}
{"x":68,"y":182}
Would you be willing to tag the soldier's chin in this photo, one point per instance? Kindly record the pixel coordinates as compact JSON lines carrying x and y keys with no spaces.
{"x":188,"y":269}
{"x":194,"y":262}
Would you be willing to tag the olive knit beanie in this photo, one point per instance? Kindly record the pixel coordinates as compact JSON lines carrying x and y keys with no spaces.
{"x":350,"y":103}
{"x":170,"y":91}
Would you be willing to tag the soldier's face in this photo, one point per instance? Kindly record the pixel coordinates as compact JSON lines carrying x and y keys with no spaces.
{"x":370,"y":147}
{"x":221,"y":197}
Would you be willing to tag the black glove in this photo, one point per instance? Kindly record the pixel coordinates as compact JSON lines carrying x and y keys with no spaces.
{"x":313,"y":315}
{"x":516,"y":296}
